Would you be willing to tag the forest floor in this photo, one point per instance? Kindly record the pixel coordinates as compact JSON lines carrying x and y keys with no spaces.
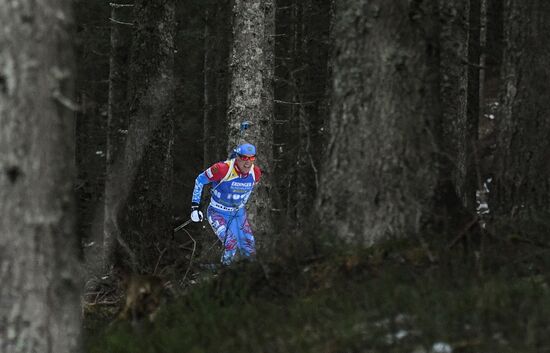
{"x":396,"y":297}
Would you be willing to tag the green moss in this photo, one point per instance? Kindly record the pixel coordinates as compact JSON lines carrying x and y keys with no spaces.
{"x":374,"y":300}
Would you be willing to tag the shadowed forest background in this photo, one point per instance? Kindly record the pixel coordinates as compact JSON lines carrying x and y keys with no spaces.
{"x":404,"y":200}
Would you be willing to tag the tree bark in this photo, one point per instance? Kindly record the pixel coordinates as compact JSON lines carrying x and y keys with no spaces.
{"x":117,"y":124}
{"x":302,"y":53}
{"x":454,"y":88}
{"x":314,"y":24}
{"x":92,"y":70}
{"x":39,"y":295}
{"x":460,"y":54}
{"x":251,"y":99}
{"x":522,"y":181}
{"x":469,"y":170}
{"x":380,"y":173}
{"x":494,"y":41}
{"x":285,"y":88}
{"x":146,"y":222}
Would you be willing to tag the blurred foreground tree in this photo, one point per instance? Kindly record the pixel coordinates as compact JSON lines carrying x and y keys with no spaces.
{"x":39,"y":295}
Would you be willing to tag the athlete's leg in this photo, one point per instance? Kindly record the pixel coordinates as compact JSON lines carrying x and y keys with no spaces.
{"x":245,"y":238}
{"x":221,"y":225}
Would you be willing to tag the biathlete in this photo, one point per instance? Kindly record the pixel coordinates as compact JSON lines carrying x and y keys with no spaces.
{"x":232,"y":184}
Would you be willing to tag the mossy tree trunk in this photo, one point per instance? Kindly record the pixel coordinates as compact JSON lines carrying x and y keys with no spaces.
{"x":39,"y":250}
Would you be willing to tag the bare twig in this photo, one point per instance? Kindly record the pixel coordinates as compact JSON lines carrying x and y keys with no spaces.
{"x":65,"y":101}
{"x":126,"y":248}
{"x":158,"y":261}
{"x":106,"y":302}
{"x":115,"y":5}
{"x":293,"y":103}
{"x":469,"y":225}
{"x":192,"y":255}
{"x":120,"y":22}
{"x":478,"y":66}
{"x":421,"y":239}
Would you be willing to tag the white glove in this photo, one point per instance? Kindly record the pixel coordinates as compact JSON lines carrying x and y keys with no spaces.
{"x":196,"y":214}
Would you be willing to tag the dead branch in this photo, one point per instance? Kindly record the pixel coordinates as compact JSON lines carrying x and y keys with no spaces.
{"x":120,"y":22}
{"x":192,"y":255}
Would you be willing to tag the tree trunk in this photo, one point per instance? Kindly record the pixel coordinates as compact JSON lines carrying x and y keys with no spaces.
{"x":495,"y":41}
{"x":251,"y":99}
{"x":314,"y":23}
{"x":117,"y":124}
{"x":216,"y":65}
{"x":454,"y":89}
{"x":468,"y":168}
{"x":482,"y":55}
{"x":380,"y":172}
{"x":40,"y":284}
{"x":522,"y":181}
{"x":146,"y":222}
{"x":92,"y":65}
{"x":287,"y":58}
{"x":460,"y":54}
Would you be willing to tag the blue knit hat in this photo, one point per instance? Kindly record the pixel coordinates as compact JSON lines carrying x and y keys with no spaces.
{"x":246,"y":149}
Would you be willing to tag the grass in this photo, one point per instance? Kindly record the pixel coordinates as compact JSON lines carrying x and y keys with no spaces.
{"x":388,"y":299}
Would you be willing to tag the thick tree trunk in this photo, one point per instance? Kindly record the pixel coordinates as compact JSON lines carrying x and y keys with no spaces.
{"x":380,"y":174}
{"x":216,"y":79}
{"x":251,"y":99}
{"x":39,"y":276}
{"x":117,"y":124}
{"x":522,"y":182}
{"x":146,"y":222}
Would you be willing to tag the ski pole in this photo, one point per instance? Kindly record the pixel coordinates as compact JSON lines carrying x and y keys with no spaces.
{"x":181,"y":226}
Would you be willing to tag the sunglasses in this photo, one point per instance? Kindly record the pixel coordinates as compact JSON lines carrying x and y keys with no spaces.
{"x":246,"y":158}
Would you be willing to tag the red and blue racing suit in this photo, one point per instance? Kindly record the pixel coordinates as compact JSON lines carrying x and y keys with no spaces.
{"x":226,"y":212}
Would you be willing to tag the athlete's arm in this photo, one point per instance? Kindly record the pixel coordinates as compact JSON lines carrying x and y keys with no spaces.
{"x":257,"y":174}
{"x":214,"y":173}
